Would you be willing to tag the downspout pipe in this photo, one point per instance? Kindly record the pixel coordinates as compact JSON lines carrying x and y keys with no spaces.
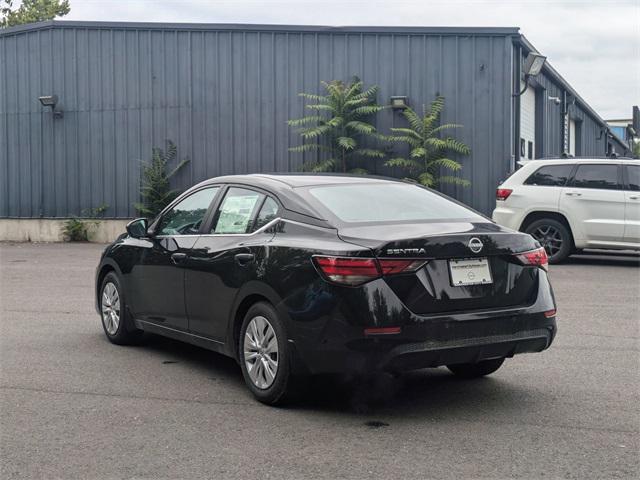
{"x":517,"y":66}
{"x":563,"y":125}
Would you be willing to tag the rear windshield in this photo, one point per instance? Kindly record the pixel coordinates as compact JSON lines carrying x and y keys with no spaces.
{"x":387,"y":202}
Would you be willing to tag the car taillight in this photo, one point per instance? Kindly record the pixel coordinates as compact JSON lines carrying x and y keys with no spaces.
{"x":393,"y":266}
{"x":503,"y":193}
{"x":356,"y":271}
{"x":382,"y":331}
{"x":535,"y":258}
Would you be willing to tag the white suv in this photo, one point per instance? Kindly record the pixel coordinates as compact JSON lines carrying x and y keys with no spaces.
{"x":572,"y":204}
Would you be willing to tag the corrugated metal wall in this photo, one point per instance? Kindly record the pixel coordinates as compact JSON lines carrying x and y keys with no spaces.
{"x":592,"y":141}
{"x":224,"y":94}
{"x":224,"y":97}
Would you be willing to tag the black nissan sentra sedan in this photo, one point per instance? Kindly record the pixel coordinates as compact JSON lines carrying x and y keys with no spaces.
{"x":294,"y":275}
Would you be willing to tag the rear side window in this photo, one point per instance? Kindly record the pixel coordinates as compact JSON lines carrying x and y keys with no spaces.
{"x":633,"y":176}
{"x":551,"y":176}
{"x":387,"y":202}
{"x":267,"y":213}
{"x":236,"y":211}
{"x":604,"y":177}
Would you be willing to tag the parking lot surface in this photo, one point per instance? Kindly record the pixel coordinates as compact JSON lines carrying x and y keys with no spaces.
{"x":73,"y":405}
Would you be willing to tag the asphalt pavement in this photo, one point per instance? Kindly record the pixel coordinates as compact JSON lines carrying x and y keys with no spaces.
{"x":72,"y":405}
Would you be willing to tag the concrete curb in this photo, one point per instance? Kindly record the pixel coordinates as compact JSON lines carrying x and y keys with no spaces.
{"x":51,"y":230}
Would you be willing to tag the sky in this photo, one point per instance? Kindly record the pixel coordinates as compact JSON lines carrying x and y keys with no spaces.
{"x":593,"y":44}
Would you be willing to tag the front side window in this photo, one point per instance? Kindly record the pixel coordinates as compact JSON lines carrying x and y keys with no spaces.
{"x":603,"y":177}
{"x":387,"y":202}
{"x":550,"y":176}
{"x":237,"y":209}
{"x":186,"y":217}
{"x":633,"y":176}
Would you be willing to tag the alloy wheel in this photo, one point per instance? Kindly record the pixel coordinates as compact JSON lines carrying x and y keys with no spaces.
{"x":110,"y":308}
{"x":549,"y":237}
{"x":261,"y":352}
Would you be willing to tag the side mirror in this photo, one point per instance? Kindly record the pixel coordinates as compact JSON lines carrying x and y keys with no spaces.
{"x":137,"y":228}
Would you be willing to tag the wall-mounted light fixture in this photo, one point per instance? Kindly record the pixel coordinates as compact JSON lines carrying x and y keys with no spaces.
{"x":555,"y":100}
{"x":399,"y":102}
{"x":532,"y":66}
{"x":51,"y":101}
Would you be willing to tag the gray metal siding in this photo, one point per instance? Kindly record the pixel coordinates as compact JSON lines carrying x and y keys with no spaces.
{"x":591,"y":139}
{"x":224,"y":97}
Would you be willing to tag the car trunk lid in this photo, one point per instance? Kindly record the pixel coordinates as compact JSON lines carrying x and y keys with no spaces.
{"x":474,"y":245}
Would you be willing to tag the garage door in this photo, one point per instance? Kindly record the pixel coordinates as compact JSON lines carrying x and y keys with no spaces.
{"x":528,"y":124}
{"x":572,"y":137}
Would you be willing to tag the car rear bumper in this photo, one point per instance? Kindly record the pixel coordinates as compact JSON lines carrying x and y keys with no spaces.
{"x":402,"y":352}
{"x":433,"y":354}
{"x":507,"y":217}
{"x":337,"y":345}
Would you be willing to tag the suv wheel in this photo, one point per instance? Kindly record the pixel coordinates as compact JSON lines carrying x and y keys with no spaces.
{"x":554,"y":236}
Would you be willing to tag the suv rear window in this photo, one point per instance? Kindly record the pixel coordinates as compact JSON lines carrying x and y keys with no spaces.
{"x":387,"y":202}
{"x":596,"y":176}
{"x":551,"y":175}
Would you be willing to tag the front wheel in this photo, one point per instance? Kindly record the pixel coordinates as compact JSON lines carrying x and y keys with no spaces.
{"x":116,"y":322}
{"x":475,"y":370}
{"x":263,"y":355}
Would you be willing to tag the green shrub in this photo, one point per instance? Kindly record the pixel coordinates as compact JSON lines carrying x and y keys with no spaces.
{"x":155,"y":190}
{"x":76,"y":229}
{"x":428,"y":149}
{"x":338,"y":126}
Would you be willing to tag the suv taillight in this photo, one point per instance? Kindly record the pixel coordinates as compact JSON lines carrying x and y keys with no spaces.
{"x":356,"y":271}
{"x":503,"y":193}
{"x":534,"y":258}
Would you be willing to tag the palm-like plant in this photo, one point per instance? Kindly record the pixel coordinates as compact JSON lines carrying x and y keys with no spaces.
{"x":338,"y":127}
{"x":427,"y":149}
{"x":155,"y":189}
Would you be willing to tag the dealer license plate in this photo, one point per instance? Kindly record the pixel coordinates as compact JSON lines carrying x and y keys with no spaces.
{"x":471,"y":271}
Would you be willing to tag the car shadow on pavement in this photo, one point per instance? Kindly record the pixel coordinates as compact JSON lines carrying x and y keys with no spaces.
{"x":431,"y":392}
{"x":203,"y":361}
{"x":612,"y":260}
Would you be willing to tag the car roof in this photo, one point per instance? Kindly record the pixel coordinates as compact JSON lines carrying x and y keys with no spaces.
{"x":284,"y":185}
{"x":564,"y":161}
{"x":295,"y":180}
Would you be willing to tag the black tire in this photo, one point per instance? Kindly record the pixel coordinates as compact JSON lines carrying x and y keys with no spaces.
{"x":282,"y":388}
{"x":559,"y":231}
{"x":475,"y":370}
{"x":126,"y":333}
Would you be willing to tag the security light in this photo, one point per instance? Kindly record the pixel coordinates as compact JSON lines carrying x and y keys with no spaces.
{"x":399,"y":102}
{"x":48,"y":100}
{"x":532,"y":67}
{"x":51,"y":101}
{"x":533,"y":64}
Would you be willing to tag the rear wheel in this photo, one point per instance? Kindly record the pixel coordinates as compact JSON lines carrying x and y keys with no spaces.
{"x":475,"y":370}
{"x":116,"y":322}
{"x":554,"y":236}
{"x":263,"y":355}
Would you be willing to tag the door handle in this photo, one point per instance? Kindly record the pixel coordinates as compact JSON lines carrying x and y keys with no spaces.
{"x":634,"y":197}
{"x":573,"y":194}
{"x":178,"y":258}
{"x":244,"y":259}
